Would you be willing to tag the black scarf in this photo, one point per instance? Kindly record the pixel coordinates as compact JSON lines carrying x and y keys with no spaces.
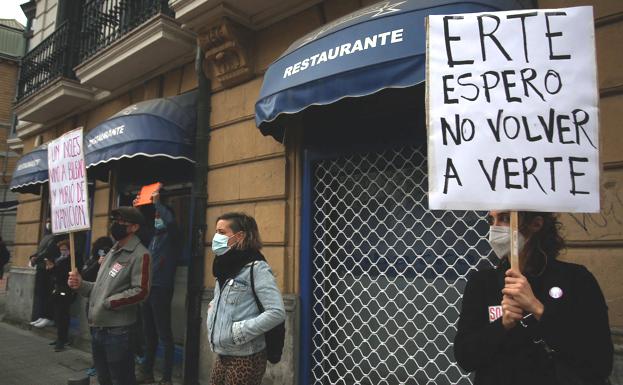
{"x":228,"y":265}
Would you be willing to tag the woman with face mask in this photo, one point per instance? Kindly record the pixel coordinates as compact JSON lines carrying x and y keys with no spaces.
{"x":236,"y":326}
{"x":515,"y":327}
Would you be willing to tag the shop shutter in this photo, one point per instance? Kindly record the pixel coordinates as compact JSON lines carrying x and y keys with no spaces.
{"x":388,"y":273}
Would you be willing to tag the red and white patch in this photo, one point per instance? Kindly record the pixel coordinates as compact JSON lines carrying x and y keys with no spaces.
{"x":116,"y":268}
{"x":495,"y":312}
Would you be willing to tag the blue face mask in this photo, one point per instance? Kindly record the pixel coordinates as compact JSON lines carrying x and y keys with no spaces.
{"x":159,"y":224}
{"x":219,"y":244}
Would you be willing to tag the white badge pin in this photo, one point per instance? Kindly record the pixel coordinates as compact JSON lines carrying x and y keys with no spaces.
{"x":555,"y":292}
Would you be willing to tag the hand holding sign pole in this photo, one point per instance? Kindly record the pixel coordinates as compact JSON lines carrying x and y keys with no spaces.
{"x":69,"y":201}
{"x":512,"y":113}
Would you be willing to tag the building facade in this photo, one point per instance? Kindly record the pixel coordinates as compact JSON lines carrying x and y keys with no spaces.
{"x":371,"y":289}
{"x":12,"y":45}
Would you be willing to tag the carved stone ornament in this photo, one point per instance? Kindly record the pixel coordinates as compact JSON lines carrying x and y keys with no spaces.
{"x":226,"y":47}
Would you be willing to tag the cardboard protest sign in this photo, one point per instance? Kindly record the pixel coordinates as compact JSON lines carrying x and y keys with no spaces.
{"x":513,"y":111}
{"x":144,"y":196}
{"x":68,"y":183}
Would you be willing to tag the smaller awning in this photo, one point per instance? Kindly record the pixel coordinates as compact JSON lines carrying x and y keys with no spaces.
{"x":157,"y":128}
{"x":31,"y":171}
{"x":378,"y":47}
{"x":8,"y":206}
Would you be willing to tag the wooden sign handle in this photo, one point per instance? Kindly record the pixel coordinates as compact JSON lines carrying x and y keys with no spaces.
{"x":72,"y":253}
{"x":514,"y":241}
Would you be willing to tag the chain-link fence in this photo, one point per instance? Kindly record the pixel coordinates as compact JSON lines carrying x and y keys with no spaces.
{"x":388,"y":273}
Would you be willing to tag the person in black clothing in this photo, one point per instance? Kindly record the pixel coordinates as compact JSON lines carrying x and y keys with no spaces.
{"x":5,"y":256}
{"x":62,"y":296}
{"x":47,"y":250}
{"x":99,"y":249}
{"x":164,"y":249}
{"x":506,"y":312}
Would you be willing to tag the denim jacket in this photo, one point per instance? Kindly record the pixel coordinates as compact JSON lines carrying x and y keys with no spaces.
{"x":235,"y":325}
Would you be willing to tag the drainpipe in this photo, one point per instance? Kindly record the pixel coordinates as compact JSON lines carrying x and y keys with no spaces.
{"x":199,"y":204}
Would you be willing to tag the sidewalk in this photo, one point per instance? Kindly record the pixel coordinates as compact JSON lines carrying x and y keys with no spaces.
{"x":27,"y":359}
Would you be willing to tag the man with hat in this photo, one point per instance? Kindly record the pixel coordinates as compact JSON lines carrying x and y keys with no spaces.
{"x":122,"y":283}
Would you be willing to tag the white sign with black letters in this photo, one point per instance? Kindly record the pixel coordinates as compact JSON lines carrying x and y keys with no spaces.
{"x":68,"y":183}
{"x":513,"y":111}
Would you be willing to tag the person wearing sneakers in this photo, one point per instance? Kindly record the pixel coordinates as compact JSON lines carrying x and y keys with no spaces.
{"x":121,"y":284}
{"x":46,"y":251}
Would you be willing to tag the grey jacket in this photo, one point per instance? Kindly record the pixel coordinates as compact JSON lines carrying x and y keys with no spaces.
{"x":235,"y":325}
{"x":122,"y":283}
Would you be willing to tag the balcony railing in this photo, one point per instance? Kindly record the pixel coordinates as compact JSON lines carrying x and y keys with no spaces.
{"x":52,"y":58}
{"x":105,"y":21}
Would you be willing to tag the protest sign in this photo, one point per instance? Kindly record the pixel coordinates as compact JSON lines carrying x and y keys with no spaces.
{"x":68,"y":184}
{"x":144,"y":196}
{"x":512,"y":105}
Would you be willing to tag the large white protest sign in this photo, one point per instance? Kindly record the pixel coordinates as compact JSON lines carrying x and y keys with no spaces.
{"x":512,"y":111}
{"x":68,"y":185}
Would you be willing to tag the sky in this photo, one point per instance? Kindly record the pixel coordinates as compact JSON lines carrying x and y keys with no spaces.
{"x":9,"y":9}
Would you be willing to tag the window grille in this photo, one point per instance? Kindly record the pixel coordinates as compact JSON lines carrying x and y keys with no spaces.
{"x":388,"y":273}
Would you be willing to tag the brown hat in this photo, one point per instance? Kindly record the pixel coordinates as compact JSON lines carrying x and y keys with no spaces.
{"x":128,"y":214}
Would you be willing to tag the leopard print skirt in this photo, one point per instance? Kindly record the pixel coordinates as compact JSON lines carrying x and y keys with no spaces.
{"x":231,"y":370}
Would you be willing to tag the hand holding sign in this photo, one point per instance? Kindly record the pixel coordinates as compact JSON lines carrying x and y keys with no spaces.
{"x":511,"y":312}
{"x":74,"y":280}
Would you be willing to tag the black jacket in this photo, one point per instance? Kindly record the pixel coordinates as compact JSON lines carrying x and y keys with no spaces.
{"x":47,"y":249}
{"x":60,"y":273}
{"x":574,"y":325}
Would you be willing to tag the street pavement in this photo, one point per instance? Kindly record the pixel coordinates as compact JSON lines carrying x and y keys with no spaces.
{"x":27,"y":359}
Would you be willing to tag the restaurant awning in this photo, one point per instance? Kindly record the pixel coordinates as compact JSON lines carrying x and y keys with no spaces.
{"x":377,"y":47}
{"x":159,"y":128}
{"x":31,"y":171}
{"x":8,"y":206}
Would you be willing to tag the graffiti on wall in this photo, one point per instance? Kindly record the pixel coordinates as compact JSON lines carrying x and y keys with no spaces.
{"x":606,"y":225}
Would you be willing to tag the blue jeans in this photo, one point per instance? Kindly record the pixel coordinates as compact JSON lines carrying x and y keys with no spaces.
{"x":157,"y":326}
{"x":113,"y":355}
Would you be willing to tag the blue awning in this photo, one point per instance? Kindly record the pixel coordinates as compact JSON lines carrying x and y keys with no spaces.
{"x":31,"y":171}
{"x":8,"y":206}
{"x":157,"y":128}
{"x":377,"y":47}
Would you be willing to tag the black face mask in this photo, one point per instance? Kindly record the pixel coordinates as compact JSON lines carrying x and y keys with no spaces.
{"x":118,"y":231}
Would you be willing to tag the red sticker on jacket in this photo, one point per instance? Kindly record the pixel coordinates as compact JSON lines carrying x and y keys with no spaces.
{"x":495,"y":312}
{"x":116,"y":268}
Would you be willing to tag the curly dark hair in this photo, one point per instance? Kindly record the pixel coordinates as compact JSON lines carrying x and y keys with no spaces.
{"x":103,"y":243}
{"x":547,"y":243}
{"x":64,"y":242}
{"x":246,"y":224}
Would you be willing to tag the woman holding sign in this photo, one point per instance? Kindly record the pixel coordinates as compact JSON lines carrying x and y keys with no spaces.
{"x":546,"y":325}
